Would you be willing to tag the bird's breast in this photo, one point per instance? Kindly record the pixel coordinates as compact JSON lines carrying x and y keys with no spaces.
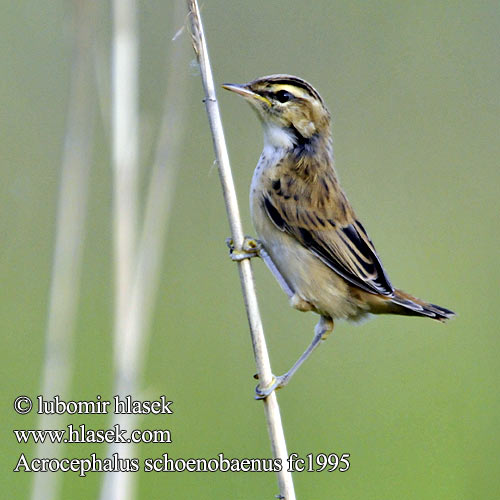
{"x":261,"y":180}
{"x":306,"y":275}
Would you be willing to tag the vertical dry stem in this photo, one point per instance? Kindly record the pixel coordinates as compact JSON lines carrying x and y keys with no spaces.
{"x":70,"y":231}
{"x":133,"y":333}
{"x":162,"y":183}
{"x":271,"y":407}
{"x":125,"y":146}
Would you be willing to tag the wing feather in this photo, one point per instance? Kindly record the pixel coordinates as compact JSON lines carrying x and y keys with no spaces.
{"x":323,"y":221}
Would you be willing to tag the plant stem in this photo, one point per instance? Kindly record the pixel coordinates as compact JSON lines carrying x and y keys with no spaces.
{"x":274,"y":425}
{"x":125,"y":147}
{"x":135,"y":333}
{"x":70,"y":236}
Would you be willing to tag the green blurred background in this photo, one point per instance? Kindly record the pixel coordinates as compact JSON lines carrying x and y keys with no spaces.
{"x":414,"y":92}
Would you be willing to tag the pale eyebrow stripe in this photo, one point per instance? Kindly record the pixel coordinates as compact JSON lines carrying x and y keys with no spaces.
{"x":294,"y":90}
{"x":296,"y":83}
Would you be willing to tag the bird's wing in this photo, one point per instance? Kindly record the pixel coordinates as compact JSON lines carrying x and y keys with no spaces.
{"x":319,"y":216}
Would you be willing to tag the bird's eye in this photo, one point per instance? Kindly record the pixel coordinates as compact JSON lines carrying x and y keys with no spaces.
{"x":284,"y":96}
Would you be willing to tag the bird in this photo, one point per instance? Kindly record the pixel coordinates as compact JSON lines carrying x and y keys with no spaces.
{"x":307,"y":231}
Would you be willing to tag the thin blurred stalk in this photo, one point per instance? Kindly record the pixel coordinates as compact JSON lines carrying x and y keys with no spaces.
{"x":160,"y":189}
{"x":70,"y":235}
{"x":125,"y":147}
{"x":134,"y":337}
{"x":274,"y":425}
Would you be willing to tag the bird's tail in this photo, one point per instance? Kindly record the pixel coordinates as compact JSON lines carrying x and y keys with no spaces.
{"x":408,"y":305}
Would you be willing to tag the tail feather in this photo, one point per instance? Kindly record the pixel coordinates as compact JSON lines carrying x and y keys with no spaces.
{"x":412,"y":306}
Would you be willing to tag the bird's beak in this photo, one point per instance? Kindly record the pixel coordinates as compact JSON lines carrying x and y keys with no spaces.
{"x":244,"y":91}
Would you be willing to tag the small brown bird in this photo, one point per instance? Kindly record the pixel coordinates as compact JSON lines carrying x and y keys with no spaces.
{"x":309,"y":235}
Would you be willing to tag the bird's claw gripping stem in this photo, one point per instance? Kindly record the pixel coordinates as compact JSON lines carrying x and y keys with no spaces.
{"x":276,"y":383}
{"x":249,"y":249}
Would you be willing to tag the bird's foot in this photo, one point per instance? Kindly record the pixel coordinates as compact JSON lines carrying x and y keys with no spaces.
{"x":250,"y":248}
{"x":276,"y":383}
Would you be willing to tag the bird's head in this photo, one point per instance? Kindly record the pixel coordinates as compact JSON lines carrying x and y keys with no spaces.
{"x":290,"y":109}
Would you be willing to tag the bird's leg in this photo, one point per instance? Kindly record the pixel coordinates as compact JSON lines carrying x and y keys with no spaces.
{"x":321,"y":332}
{"x":253,"y":248}
{"x":250,"y":248}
